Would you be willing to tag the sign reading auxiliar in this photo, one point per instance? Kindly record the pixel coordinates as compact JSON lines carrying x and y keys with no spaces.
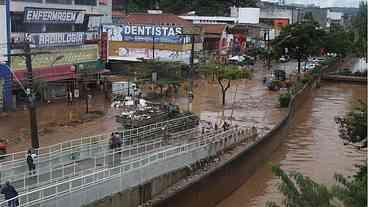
{"x":53,"y":16}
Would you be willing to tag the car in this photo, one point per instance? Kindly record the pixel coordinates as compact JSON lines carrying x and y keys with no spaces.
{"x":309,"y":66}
{"x":284,"y":58}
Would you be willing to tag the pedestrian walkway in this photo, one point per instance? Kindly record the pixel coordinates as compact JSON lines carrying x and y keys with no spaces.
{"x":211,"y":142}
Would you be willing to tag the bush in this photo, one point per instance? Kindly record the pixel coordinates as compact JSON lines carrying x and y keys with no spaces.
{"x":284,"y":99}
{"x":306,"y":79}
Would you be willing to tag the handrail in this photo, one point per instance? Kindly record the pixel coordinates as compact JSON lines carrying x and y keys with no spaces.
{"x":128,"y":137}
{"x":73,"y":165}
{"x":69,"y":143}
{"x":124,"y":168}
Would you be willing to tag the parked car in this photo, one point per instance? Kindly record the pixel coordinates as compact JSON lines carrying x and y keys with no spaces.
{"x":242,"y":60}
{"x":284,"y":58}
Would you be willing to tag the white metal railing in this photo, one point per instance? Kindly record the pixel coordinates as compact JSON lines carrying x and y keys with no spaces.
{"x":57,"y":163}
{"x":63,"y":146}
{"x":24,"y":182}
{"x":31,"y":182}
{"x":85,"y":181}
{"x":68,"y":156}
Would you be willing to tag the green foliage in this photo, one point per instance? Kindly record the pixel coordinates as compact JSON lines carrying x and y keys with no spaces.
{"x":307,"y":78}
{"x":306,"y":36}
{"x":209,"y":7}
{"x":224,"y":73}
{"x":352,"y":191}
{"x":353,"y":126}
{"x":301,"y":191}
{"x":338,"y":40}
{"x":360,"y":30}
{"x":284,"y":99}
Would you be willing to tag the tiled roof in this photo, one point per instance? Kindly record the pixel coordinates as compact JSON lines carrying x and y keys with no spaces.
{"x":157,"y":19}
{"x":213,"y":28}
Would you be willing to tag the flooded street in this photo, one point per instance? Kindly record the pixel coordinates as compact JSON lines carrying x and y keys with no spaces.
{"x":312,"y":147}
{"x":248,"y":103}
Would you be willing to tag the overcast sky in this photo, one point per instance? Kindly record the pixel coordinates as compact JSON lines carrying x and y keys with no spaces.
{"x":325,"y":3}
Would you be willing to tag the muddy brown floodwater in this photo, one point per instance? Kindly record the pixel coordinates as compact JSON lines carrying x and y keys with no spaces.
{"x":312,"y":147}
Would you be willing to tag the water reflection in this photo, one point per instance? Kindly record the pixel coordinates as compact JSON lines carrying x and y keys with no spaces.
{"x":312,"y":147}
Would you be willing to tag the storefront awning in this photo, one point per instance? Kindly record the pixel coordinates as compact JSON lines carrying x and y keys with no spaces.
{"x":128,"y":59}
{"x":91,"y":67}
{"x":55,"y":73}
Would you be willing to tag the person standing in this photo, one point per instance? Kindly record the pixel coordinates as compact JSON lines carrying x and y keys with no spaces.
{"x":30,"y":162}
{"x":10,"y":193}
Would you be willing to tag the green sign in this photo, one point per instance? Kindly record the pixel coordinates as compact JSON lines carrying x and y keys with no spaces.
{"x":89,"y":66}
{"x":58,"y":56}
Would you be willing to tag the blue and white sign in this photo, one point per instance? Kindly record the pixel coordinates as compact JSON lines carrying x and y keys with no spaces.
{"x":145,"y":33}
{"x":53,"y":16}
{"x":42,"y":40}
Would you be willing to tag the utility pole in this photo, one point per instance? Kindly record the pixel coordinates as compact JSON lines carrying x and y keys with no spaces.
{"x":30,"y":95}
{"x":268,"y":51}
{"x":190,"y":94}
{"x":192,"y":35}
{"x":29,"y":88}
{"x":153,"y":47}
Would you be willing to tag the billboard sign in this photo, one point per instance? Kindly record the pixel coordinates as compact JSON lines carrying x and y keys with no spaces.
{"x":160,"y":55}
{"x":103,"y":46}
{"x":249,"y":15}
{"x":43,"y":40}
{"x":144,"y":33}
{"x":53,"y":16}
{"x":69,"y":56}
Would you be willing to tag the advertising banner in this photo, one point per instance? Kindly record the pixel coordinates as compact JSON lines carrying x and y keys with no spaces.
{"x":145,"y":33}
{"x":65,"y":56}
{"x":41,"y":40}
{"x":161,"y":55}
{"x":53,"y":16}
{"x":103,"y":46}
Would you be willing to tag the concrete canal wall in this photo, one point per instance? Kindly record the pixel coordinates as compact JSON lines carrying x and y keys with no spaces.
{"x":221,"y":182}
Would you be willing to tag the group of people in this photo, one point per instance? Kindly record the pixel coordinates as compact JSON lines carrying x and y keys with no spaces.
{"x":9,"y":191}
{"x":210,"y":126}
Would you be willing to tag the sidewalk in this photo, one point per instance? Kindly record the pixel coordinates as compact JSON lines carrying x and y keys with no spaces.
{"x":57,"y":122}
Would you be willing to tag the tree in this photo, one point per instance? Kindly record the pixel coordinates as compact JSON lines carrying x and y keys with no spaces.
{"x":209,"y":7}
{"x":353,"y":126}
{"x":352,"y":191}
{"x":360,"y":30}
{"x":302,"y":39}
{"x":224,"y":75}
{"x":301,"y":191}
{"x":338,"y":40}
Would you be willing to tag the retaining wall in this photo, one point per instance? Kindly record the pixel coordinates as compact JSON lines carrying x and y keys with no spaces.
{"x":221,"y":182}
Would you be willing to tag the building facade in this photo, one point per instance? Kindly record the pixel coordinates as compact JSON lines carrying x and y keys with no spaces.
{"x":154,"y":36}
{"x":66,"y":29}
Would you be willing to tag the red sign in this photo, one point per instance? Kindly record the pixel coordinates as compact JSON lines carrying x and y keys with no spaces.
{"x":103,"y":46}
{"x":280,"y":22}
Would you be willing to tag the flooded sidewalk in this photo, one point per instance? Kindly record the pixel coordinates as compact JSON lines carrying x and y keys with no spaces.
{"x":58,"y":122}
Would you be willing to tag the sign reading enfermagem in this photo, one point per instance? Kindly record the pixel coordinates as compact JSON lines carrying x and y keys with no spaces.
{"x":53,"y":16}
